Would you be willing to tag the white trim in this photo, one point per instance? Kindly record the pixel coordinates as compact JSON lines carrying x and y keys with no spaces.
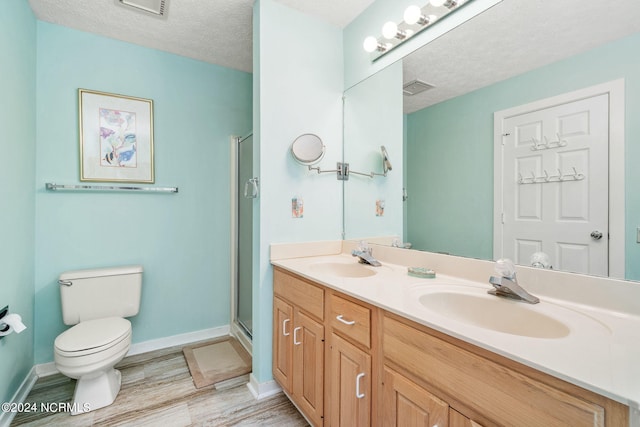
{"x":262,"y":390}
{"x":181,"y":339}
{"x":46,"y":369}
{"x":615,"y":90}
{"x":19,"y":396}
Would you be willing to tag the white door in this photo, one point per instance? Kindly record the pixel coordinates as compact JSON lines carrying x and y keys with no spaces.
{"x":555,"y":169}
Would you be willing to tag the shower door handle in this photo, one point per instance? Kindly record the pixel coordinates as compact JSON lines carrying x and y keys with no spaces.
{"x":251,"y":188}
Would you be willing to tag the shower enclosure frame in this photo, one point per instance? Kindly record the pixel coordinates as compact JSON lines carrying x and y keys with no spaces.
{"x":237,"y":329}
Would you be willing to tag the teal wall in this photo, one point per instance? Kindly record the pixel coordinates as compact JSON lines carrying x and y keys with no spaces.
{"x":17,"y":145}
{"x":379,"y":97}
{"x":300,"y":81}
{"x":450,"y":151}
{"x":183,"y":239}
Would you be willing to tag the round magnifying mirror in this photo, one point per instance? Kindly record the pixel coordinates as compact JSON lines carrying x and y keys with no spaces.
{"x":307,"y":149}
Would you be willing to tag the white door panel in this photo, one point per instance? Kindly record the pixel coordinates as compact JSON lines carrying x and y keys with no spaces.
{"x":555,"y":185}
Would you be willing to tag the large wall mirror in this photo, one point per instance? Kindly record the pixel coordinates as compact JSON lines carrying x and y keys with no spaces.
{"x":516,"y":53}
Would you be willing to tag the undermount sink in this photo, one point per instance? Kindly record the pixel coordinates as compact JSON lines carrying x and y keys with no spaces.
{"x":339,"y":269}
{"x":476,"y":308}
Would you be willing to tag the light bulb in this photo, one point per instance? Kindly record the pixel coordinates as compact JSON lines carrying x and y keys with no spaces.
{"x":412,"y":15}
{"x":370,"y":44}
{"x":389,"y":30}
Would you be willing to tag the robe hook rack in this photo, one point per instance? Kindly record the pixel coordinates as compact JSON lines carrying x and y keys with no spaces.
{"x":560,"y":177}
{"x":546,"y":145}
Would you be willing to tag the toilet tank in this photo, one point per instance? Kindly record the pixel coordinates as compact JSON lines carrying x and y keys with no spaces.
{"x":99,"y":293}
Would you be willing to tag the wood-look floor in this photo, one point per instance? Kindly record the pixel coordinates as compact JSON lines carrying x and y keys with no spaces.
{"x":157,"y":390}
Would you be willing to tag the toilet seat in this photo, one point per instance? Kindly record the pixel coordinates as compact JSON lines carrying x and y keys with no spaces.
{"x":92,"y":336}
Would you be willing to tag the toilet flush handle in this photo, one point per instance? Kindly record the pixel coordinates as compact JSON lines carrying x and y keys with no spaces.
{"x":65,"y":282}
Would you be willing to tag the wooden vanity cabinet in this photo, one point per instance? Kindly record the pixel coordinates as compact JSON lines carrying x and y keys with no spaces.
{"x":349,"y":366}
{"x":456,"y":419}
{"x":381,"y":369}
{"x":298,"y":343}
{"x":406,"y":404}
{"x":487,"y":388}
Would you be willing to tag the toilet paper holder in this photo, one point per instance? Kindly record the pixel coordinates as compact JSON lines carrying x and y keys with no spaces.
{"x":10,"y":322}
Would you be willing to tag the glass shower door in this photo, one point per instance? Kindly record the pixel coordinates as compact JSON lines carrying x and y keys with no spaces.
{"x":244,"y":312}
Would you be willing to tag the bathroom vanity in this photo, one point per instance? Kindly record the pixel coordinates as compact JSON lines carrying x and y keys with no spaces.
{"x":353,"y":345}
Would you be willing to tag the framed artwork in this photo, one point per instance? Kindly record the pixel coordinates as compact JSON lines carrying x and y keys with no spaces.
{"x":116,"y":137}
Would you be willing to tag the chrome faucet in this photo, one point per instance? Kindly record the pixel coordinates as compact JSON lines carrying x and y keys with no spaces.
{"x":506,"y":285}
{"x":365,"y":255}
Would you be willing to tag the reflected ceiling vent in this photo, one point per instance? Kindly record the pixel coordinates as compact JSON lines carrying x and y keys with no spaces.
{"x":415,"y":87}
{"x":157,"y":8}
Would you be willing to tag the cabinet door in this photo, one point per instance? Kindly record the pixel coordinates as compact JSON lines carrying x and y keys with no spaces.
{"x":282,"y":343}
{"x":308,"y":366}
{"x":406,"y":404}
{"x":350,"y":384}
{"x":456,"y":419}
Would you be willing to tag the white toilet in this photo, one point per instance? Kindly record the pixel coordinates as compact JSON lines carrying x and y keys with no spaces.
{"x":96,"y":302}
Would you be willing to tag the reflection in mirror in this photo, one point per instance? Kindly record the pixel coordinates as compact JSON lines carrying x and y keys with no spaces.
{"x":372,"y":118}
{"x":515,"y":53}
{"x":386,"y":164}
{"x":307,"y":149}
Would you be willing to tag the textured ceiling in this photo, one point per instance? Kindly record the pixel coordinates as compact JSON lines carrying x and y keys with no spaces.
{"x":511,"y":38}
{"x":337,"y":12}
{"x":215,"y":31}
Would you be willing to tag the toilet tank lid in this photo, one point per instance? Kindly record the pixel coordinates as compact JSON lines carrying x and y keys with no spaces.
{"x":100,"y":272}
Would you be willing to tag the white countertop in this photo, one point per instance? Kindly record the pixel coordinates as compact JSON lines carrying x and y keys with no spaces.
{"x":601,"y":352}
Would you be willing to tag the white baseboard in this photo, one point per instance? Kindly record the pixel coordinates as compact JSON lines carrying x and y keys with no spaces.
{"x":20,"y":396}
{"x":262,"y":390}
{"x":175,"y":340}
{"x":46,"y":369}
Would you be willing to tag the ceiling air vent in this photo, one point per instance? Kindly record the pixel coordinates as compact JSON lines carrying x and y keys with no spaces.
{"x":415,"y":87}
{"x":154,"y":7}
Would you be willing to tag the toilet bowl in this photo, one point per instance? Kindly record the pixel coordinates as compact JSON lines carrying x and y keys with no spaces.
{"x":88,"y":352}
{"x":101,"y":336}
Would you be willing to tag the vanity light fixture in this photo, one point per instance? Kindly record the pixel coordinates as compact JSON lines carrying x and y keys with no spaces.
{"x":416,"y":19}
{"x":449,"y":4}
{"x":413,"y":15}
{"x":371,"y":44}
{"x":390,"y":31}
